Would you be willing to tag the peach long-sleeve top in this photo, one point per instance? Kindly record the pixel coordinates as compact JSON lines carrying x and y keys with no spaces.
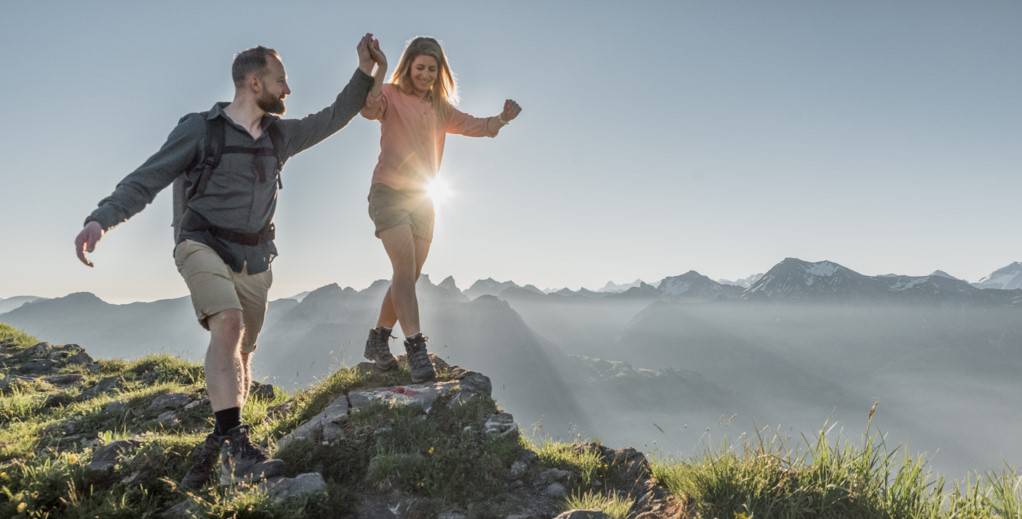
{"x":412,"y":136}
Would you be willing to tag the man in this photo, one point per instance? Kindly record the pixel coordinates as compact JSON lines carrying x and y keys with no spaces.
{"x":229,"y":158}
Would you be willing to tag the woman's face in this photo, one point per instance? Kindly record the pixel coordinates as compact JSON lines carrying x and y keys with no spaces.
{"x":424,"y":71}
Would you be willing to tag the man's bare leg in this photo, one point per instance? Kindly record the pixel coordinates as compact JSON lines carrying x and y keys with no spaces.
{"x":246,"y":376}
{"x":224,"y":369}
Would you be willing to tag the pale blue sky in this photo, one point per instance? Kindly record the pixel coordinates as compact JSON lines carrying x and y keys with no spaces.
{"x":656,"y":137}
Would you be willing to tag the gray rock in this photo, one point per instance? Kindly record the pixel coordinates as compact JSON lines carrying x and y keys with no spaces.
{"x":41,"y":349}
{"x":477,"y":383}
{"x":37,"y":366}
{"x":195,"y":403}
{"x":185,"y":509}
{"x":106,"y":457}
{"x":168,"y":419}
{"x":281,"y":409}
{"x":518,"y":469}
{"x":298,"y":489}
{"x":57,"y":400}
{"x":555,"y":475}
{"x":168,"y":401}
{"x":583,"y":514}
{"x":65,"y":379}
{"x":419,"y":395}
{"x":263,"y":391}
{"x":115,"y":407}
{"x":79,"y":358}
{"x":105,"y":386}
{"x":325,"y":426}
{"x":555,"y":490}
{"x":500,"y":425}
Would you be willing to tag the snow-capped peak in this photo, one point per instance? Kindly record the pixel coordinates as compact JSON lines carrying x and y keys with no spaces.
{"x":1005,"y":278}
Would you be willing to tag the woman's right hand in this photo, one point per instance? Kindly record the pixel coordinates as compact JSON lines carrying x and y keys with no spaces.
{"x":381,"y":61}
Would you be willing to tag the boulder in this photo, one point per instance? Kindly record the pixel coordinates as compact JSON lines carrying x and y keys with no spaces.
{"x":325,"y":426}
{"x":500,"y":425}
{"x":106,"y":457}
{"x":296,"y":491}
{"x":65,"y":379}
{"x":263,"y":391}
{"x":168,"y":401}
{"x":555,"y":490}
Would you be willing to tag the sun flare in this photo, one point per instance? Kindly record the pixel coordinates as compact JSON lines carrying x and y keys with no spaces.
{"x":439,"y":191}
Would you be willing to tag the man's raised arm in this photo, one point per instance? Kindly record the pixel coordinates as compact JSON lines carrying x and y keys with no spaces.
{"x":303,"y":133}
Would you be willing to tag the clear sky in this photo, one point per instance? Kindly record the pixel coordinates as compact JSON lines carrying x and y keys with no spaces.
{"x":656,"y":137}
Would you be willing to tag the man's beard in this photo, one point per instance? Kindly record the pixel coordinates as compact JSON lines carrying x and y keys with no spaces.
{"x":271,"y":104}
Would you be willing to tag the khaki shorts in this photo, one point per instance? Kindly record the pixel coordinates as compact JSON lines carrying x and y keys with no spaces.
{"x":215,"y":288}
{"x":389,"y":208}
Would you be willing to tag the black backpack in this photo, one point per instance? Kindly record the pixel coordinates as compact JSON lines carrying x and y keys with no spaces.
{"x":189,"y":186}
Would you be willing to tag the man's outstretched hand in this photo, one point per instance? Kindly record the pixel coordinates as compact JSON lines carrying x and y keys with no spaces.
{"x":365,"y":60}
{"x":86,"y":241}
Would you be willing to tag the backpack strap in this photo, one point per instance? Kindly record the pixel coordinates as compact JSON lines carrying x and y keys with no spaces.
{"x":279,"y":149}
{"x":211,"y":157}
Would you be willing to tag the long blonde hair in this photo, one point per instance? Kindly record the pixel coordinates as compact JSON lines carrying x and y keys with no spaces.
{"x":445,"y":89}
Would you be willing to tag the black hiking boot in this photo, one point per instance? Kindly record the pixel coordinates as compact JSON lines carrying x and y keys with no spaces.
{"x":378,"y":349}
{"x":245,"y":461}
{"x":418,"y":360}
{"x":202,"y":461}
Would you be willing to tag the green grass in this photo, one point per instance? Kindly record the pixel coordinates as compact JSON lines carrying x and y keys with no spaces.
{"x":12,"y":335}
{"x":821,"y":479}
{"x":575,"y":457}
{"x":613,"y":505}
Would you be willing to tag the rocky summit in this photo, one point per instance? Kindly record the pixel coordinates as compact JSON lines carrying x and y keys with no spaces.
{"x":87,"y":438}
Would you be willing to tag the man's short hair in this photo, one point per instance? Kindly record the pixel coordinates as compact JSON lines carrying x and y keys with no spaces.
{"x":250,"y":60}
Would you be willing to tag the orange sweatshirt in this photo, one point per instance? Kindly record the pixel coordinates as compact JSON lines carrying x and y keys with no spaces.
{"x":412,"y":136}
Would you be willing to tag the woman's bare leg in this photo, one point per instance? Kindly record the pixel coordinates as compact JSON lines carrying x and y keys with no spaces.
{"x":388,"y":314}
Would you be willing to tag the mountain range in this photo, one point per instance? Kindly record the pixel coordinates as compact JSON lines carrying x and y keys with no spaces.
{"x":792,"y":279}
{"x":806,"y":342}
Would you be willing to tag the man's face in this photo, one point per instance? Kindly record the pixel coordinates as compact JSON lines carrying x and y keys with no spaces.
{"x":274,"y":89}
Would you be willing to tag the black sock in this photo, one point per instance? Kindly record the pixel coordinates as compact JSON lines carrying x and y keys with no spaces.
{"x":384,"y":331}
{"x":226,"y":420}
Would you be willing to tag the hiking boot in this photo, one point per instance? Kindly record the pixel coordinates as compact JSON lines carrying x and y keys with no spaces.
{"x":378,"y":349}
{"x":202,"y":461}
{"x":418,"y":360}
{"x":246,"y":461}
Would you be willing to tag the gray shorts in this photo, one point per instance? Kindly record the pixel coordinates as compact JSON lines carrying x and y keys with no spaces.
{"x":389,"y":208}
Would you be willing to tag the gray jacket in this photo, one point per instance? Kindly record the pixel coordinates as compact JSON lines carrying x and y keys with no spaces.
{"x":242,"y":191}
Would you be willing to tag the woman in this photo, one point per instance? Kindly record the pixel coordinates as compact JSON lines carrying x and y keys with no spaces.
{"x":416,"y":112}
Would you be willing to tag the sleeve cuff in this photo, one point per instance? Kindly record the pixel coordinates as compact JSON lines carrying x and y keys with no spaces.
{"x":99,"y":218}
{"x":362,"y":76}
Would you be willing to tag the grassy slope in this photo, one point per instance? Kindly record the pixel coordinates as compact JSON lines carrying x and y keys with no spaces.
{"x":435,"y":458}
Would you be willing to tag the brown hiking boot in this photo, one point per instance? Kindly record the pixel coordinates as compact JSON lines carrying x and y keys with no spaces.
{"x":418,"y":360}
{"x":378,"y":349}
{"x":245,"y":461}
{"x":202,"y":461}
